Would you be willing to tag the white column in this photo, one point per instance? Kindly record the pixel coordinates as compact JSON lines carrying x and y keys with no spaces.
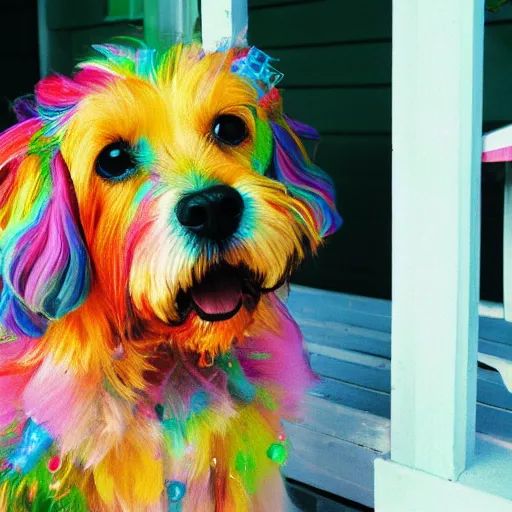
{"x":437,"y":119}
{"x":224,"y":22}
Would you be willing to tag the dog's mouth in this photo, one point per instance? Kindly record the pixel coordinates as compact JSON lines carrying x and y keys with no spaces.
{"x":221,"y":294}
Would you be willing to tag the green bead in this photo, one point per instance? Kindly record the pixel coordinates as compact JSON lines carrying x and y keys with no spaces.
{"x":277,"y":453}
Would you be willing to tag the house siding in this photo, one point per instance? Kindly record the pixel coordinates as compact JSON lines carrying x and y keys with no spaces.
{"x":336,"y":57}
{"x":19,"y":54}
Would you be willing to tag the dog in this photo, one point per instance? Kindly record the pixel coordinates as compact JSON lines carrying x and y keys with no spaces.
{"x":152,"y":207}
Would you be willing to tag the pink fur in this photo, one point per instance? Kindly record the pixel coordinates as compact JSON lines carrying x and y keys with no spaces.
{"x":12,"y":386}
{"x":283,"y":346}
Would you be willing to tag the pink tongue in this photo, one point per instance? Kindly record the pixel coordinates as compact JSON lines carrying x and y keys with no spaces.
{"x":219,"y":293}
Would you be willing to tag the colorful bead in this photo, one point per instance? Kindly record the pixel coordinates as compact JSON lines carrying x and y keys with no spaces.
{"x":54,"y":464}
{"x":281,"y":436}
{"x":175,"y":490}
{"x":277,"y":453}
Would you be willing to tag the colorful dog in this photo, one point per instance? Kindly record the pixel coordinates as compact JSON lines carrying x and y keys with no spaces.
{"x":150,"y":207}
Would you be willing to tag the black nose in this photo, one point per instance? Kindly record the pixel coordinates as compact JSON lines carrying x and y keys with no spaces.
{"x":212,"y":213}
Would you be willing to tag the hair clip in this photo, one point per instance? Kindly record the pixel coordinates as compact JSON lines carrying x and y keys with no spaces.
{"x":256,"y":67}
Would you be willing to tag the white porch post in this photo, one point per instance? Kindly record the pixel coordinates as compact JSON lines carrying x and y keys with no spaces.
{"x":223,"y":21}
{"x":437,"y":120}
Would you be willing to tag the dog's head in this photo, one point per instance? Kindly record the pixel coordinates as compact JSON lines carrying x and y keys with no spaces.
{"x":172,"y":188}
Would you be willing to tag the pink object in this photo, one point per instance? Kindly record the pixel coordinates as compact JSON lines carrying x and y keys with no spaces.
{"x":498,"y":155}
{"x":497,"y":145}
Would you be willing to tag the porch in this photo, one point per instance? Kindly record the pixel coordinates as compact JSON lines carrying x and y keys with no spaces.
{"x":337,"y":60}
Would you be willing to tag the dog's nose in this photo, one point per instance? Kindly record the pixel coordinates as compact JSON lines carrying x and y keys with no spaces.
{"x":212,"y":213}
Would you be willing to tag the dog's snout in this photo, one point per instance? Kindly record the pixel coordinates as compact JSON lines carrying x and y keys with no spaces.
{"x":213,"y":213}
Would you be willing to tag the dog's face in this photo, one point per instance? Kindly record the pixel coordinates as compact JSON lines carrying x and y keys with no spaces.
{"x":173,"y":201}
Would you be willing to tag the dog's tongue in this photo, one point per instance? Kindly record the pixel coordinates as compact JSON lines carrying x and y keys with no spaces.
{"x":218,"y":293}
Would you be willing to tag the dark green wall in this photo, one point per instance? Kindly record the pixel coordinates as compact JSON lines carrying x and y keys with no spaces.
{"x":336,"y":56}
{"x":73,"y":26}
{"x":19,"y":54}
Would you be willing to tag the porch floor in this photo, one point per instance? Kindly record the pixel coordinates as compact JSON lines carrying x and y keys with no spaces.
{"x":347,"y":423}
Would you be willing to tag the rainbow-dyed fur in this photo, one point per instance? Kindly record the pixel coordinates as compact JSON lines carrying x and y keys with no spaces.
{"x":112,"y":396}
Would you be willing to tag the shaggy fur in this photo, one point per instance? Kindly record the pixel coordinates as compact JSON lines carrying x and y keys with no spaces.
{"x":117,"y":392}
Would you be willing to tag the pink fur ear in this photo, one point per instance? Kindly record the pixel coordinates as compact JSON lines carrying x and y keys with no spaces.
{"x":44,"y":262}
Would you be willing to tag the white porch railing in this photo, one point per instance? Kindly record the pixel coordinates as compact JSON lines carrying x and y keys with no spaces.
{"x":437,"y":115}
{"x":437,"y":119}
{"x":497,"y":147}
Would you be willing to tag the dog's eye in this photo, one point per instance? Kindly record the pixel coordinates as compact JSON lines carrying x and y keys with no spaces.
{"x":116,"y":161}
{"x":230,"y":130}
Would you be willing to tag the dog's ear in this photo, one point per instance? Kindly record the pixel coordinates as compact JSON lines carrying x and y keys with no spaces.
{"x":44,"y":265}
{"x":293,"y":167}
